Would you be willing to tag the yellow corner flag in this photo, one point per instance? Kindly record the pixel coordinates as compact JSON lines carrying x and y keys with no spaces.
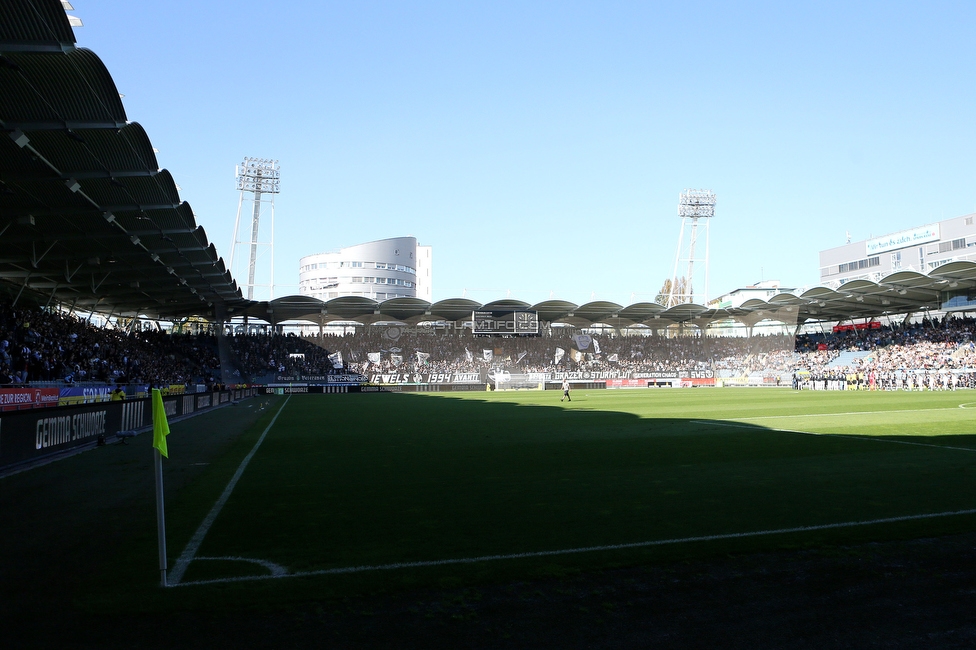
{"x":160,"y":425}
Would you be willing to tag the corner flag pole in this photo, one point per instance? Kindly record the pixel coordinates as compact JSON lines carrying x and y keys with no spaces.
{"x":160,"y":431}
{"x":160,"y":518}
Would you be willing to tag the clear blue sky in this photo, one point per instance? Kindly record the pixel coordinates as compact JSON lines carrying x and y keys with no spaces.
{"x":540,"y":147}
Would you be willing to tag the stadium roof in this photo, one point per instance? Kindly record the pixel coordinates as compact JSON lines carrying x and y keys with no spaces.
{"x":899,"y":293}
{"x":88,"y":219}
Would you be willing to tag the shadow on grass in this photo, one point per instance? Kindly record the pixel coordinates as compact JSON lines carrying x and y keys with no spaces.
{"x":347,"y":480}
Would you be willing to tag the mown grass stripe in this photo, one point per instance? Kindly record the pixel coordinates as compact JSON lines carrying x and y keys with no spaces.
{"x":585,"y":549}
{"x":179,"y":569}
{"x":745,"y":425}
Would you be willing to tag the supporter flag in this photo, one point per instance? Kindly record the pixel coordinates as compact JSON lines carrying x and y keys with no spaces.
{"x":596,"y":346}
{"x":582,"y":341}
{"x":422,"y":358}
{"x":374,"y":357}
{"x":613,"y":358}
{"x":576,"y":356}
{"x":160,"y":424}
{"x":336,"y":359}
{"x":396,"y":359}
{"x":488,"y":354}
{"x":467,"y":353}
{"x":559,"y":355}
{"x":391,"y":333}
{"x":521,"y":355}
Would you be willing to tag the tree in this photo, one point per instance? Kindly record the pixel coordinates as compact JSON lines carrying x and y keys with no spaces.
{"x":665,"y":297}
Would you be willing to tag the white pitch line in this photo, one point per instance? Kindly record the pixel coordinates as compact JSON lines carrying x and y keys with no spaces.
{"x":843,"y":413}
{"x":176,"y":575}
{"x":746,"y":425}
{"x":584,"y":549}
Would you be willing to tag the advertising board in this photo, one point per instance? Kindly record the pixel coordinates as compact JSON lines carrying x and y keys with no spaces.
{"x":12,"y":399}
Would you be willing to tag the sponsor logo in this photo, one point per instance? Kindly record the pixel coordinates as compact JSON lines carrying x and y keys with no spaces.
{"x":59,"y":430}
{"x":903,"y":239}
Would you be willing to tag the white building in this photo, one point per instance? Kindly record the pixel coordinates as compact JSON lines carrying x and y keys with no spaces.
{"x":389,"y":268}
{"x":919,"y":249}
{"x":763,"y":291}
{"x":760,"y":291}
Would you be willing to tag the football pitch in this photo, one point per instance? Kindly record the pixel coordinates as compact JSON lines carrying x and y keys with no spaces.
{"x":340,"y":493}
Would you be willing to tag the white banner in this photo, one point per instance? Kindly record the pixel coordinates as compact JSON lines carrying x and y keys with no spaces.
{"x":488,"y":354}
{"x":336,"y":359}
{"x":582,"y":341}
{"x":374,"y":357}
{"x":396,"y":359}
{"x":468,"y":355}
{"x":559,"y":354}
{"x":596,"y":346}
{"x":392,"y":333}
{"x":422,"y":358}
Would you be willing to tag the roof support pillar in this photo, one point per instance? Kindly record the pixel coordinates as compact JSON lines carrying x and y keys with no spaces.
{"x":22,"y":287}
{"x":53,"y":293}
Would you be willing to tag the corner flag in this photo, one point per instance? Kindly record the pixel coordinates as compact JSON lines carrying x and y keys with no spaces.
{"x":160,"y":425}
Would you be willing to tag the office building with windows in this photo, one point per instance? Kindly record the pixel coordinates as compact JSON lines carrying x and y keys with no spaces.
{"x":920,"y":249}
{"x":388,"y":268}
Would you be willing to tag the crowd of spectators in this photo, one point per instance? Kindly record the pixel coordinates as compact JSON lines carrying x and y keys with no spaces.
{"x":931,"y":354}
{"x":448,"y":350}
{"x":38,"y":345}
{"x":41,"y":345}
{"x":256,"y":356}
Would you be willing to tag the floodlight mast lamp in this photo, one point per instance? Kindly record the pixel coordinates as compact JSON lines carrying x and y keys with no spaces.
{"x":692,"y":206}
{"x":257,"y":177}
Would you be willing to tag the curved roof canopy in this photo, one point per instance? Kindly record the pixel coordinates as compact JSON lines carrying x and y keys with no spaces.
{"x":87,"y":218}
{"x":899,"y":293}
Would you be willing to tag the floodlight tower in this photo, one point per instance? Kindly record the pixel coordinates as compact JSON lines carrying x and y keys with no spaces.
{"x":256,"y":177}
{"x":692,"y":206}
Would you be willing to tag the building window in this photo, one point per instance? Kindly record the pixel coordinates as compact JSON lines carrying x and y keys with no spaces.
{"x":969,"y":221}
{"x":859,"y":264}
{"x":896,"y":261}
{"x":357,"y":265}
{"x":356,"y":280}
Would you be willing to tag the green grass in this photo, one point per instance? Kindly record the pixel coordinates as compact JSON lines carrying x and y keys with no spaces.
{"x":351,"y":480}
{"x":378,"y":479}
